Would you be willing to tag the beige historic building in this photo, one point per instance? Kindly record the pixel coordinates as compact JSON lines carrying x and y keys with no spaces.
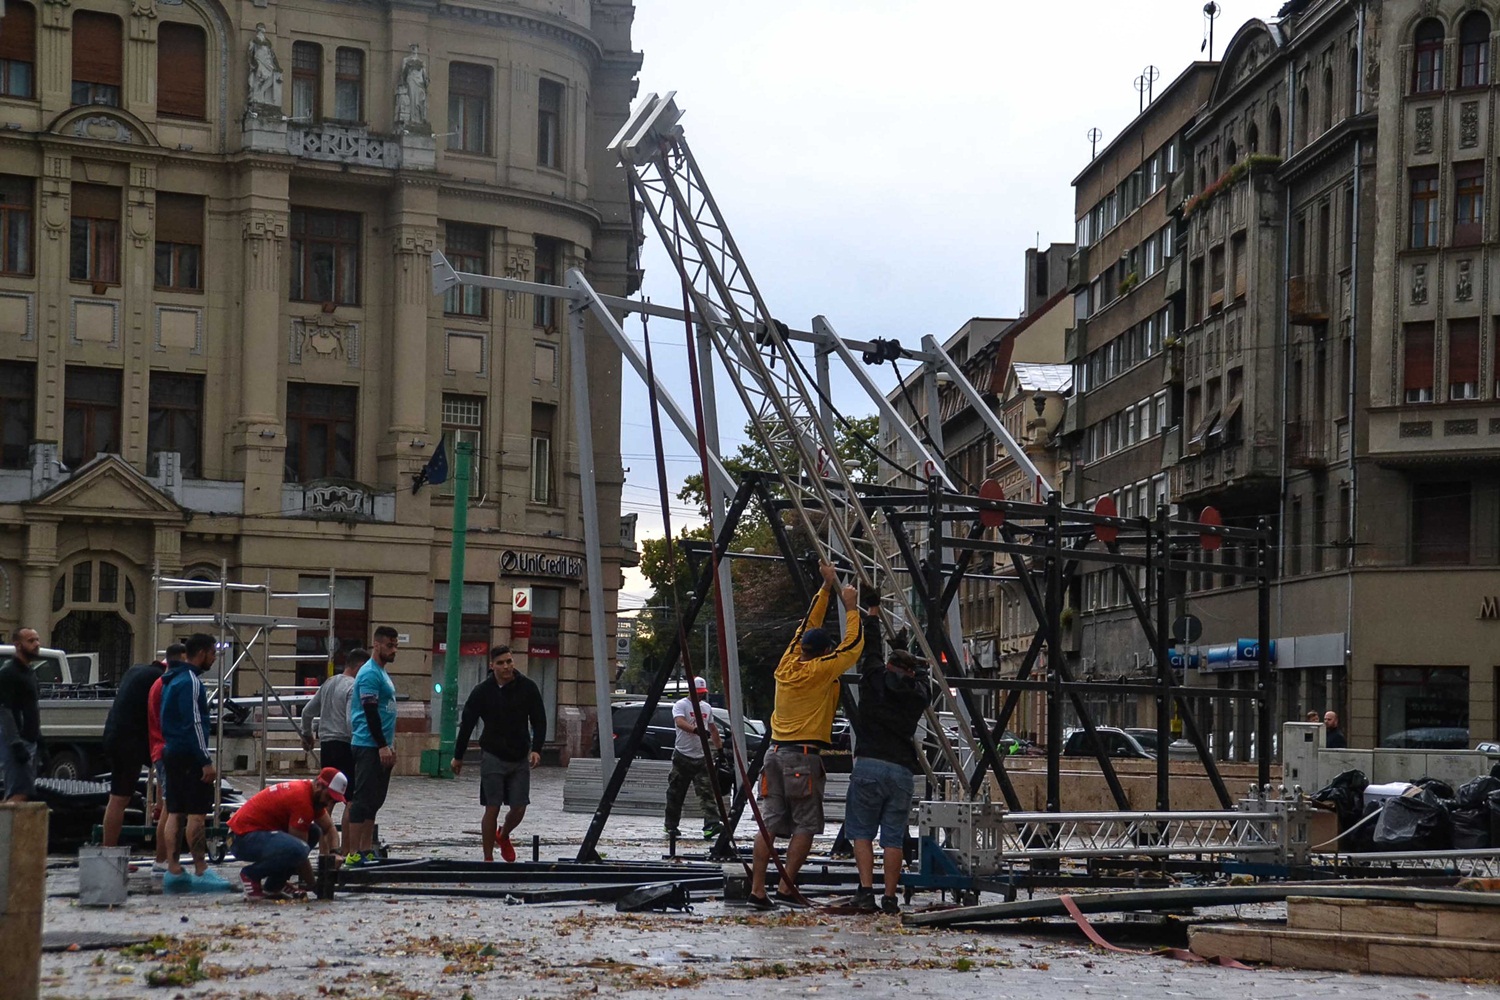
{"x":220,"y":339}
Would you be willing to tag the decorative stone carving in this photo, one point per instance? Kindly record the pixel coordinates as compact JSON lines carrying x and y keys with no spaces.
{"x":264,"y":227}
{"x":1468,"y":124}
{"x":55,"y":14}
{"x":1463,"y":286}
{"x":344,"y":144}
{"x":411,"y":93}
{"x":1415,"y":429}
{"x":103,"y":128}
{"x":1419,"y":284}
{"x":322,"y":337}
{"x":1424,"y":130}
{"x":338,"y":497}
{"x":411,"y":240}
{"x":263,"y":90}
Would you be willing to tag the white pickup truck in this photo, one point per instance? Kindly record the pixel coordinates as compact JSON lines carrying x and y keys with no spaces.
{"x":74,"y":705}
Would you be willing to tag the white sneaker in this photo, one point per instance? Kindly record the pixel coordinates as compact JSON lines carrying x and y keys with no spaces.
{"x":159,"y":869}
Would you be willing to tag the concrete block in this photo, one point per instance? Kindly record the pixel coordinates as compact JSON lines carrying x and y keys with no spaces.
{"x":1467,"y":924}
{"x":1319,"y":951}
{"x":1373,"y":918}
{"x":1307,"y":914}
{"x":1417,"y":958}
{"x":1248,"y":944}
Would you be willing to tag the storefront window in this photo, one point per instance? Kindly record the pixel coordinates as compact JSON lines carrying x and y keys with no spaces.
{"x":1424,"y":708}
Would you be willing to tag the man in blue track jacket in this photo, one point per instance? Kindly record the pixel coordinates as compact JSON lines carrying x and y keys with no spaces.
{"x":190,"y":770}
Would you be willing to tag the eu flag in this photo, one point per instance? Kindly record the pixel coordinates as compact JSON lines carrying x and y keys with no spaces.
{"x":435,"y":471}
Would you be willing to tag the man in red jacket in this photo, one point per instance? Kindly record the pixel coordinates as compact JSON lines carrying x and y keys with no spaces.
{"x":158,"y":746}
{"x":279,"y":825}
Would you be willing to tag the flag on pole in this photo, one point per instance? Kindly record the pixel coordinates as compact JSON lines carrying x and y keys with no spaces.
{"x":435,"y":471}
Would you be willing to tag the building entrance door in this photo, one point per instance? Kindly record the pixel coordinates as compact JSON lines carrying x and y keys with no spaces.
{"x":102,"y":632}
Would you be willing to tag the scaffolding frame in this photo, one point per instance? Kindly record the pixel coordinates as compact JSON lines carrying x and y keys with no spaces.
{"x":232,"y":629}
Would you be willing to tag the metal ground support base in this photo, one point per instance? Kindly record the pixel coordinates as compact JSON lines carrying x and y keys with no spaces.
{"x":1463,"y":864}
{"x":525,"y":881}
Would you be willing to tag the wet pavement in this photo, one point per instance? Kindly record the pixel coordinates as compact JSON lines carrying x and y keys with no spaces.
{"x":408,"y":947}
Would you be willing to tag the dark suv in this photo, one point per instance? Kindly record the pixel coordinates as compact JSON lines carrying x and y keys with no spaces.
{"x":661,"y":733}
{"x":1117,"y":743}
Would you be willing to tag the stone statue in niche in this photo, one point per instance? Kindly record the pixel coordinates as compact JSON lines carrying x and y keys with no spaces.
{"x":264,"y":85}
{"x":1463,"y":288}
{"x":1419,"y":285}
{"x":411,"y":91}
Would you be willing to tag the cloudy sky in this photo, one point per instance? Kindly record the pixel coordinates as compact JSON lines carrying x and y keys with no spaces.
{"x":886,"y":163}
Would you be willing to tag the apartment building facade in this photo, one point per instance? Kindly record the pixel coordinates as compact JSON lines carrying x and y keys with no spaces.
{"x":222,"y":345}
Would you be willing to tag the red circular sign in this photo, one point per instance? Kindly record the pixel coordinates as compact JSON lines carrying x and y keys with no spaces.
{"x":990,"y":490}
{"x":1106,"y":533}
{"x":1209,"y":541}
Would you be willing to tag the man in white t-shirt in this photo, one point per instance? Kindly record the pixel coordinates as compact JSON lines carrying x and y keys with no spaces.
{"x":689,"y":765}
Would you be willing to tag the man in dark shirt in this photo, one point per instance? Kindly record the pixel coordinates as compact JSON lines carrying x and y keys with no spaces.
{"x":1334,"y":737}
{"x":21,"y":729}
{"x":892,"y":697}
{"x":126,"y":742}
{"x":510,"y":706}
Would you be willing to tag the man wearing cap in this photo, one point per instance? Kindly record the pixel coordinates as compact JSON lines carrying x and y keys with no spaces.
{"x":279,"y":825}
{"x":892,"y":698}
{"x":807,"y":692}
{"x":689,"y":766}
{"x":515,"y":728}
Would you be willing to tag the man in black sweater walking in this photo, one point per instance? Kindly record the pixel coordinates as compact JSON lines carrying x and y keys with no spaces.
{"x":515,"y":727}
{"x":20,"y":723}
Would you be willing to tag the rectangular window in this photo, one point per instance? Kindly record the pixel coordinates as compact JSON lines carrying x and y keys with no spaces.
{"x":544,"y":364}
{"x":468,"y":250}
{"x":349,"y":85}
{"x":1294,"y":532}
{"x":1424,"y":207}
{"x":94,"y":238}
{"x":1440,"y":524}
{"x":1153,"y":256}
{"x":325,"y":256}
{"x":549,"y":124}
{"x":463,"y":420}
{"x":18,"y":51}
{"x":91,"y":414}
{"x":98,"y":52}
{"x":17,"y":411}
{"x":351,"y":622}
{"x":1161,"y":411}
{"x":469,"y":107}
{"x":1463,"y":359}
{"x":1468,"y":202}
{"x":1417,"y":366}
{"x":175,"y":422}
{"x":181,"y":71}
{"x":1474,"y":56}
{"x":1423,"y":708}
{"x":544,"y":309}
{"x":1427,"y":66}
{"x":307,"y":82}
{"x":320,"y":431}
{"x":542,"y":419}
{"x":16,"y":200}
{"x":179,"y":242}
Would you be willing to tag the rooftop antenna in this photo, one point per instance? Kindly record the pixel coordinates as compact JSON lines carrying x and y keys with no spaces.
{"x":1211,"y":12}
{"x":1140,"y":89}
{"x":1152,"y":74}
{"x":1094,"y":136}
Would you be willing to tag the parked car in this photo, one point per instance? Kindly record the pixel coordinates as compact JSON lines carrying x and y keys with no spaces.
{"x":661,"y":733}
{"x":1429,"y":738}
{"x":1117,"y":743}
{"x":1145,"y":737}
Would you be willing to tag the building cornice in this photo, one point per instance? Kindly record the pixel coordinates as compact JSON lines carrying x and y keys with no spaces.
{"x":1332,"y":142}
{"x":561,"y":31}
{"x":512,"y":196}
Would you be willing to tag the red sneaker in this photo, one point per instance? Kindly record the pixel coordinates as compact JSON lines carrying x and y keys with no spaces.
{"x":507,"y":849}
{"x":252,"y":886}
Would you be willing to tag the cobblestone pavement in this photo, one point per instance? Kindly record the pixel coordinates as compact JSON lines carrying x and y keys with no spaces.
{"x":415,"y":947}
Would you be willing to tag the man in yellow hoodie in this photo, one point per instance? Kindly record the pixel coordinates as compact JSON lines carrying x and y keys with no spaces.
{"x":807,"y":692}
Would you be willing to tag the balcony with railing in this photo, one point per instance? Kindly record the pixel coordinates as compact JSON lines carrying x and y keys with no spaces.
{"x":1307,"y":444}
{"x":1307,"y":299}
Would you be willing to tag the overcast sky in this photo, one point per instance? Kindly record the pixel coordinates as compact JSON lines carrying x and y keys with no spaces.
{"x":886,"y":163}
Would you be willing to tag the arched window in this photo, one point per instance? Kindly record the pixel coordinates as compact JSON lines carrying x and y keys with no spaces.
{"x":1474,"y":50}
{"x":1328,"y":99}
{"x":1427,"y":60}
{"x":1252,"y":139}
{"x":1231,"y":153}
{"x":1304,"y":116}
{"x":1273,"y":129}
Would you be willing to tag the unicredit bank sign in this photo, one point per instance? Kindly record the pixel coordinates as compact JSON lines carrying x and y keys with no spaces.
{"x":513,"y":563}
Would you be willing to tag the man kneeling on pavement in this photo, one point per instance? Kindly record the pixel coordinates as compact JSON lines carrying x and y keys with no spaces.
{"x":277,"y":828}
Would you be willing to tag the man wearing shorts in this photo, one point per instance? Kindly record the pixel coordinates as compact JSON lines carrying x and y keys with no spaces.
{"x":807,"y":692}
{"x":126,"y":742}
{"x":189,"y":766}
{"x":372,"y":731}
{"x":158,"y":745}
{"x":892,"y":697}
{"x":515,"y":727}
{"x":329,"y":707}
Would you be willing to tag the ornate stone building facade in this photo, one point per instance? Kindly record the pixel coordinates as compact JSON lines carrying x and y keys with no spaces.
{"x":221,"y":342}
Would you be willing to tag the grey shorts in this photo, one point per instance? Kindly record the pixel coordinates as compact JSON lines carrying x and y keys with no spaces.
{"x":791,"y":793}
{"x":504,"y":782}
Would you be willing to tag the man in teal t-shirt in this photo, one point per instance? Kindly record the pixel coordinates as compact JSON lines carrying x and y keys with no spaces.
{"x":372,"y":726}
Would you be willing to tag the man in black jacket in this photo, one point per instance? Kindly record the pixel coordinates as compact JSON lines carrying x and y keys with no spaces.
{"x":892,"y":697}
{"x":515,"y":727}
{"x":126,"y":742}
{"x":21,"y":731}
